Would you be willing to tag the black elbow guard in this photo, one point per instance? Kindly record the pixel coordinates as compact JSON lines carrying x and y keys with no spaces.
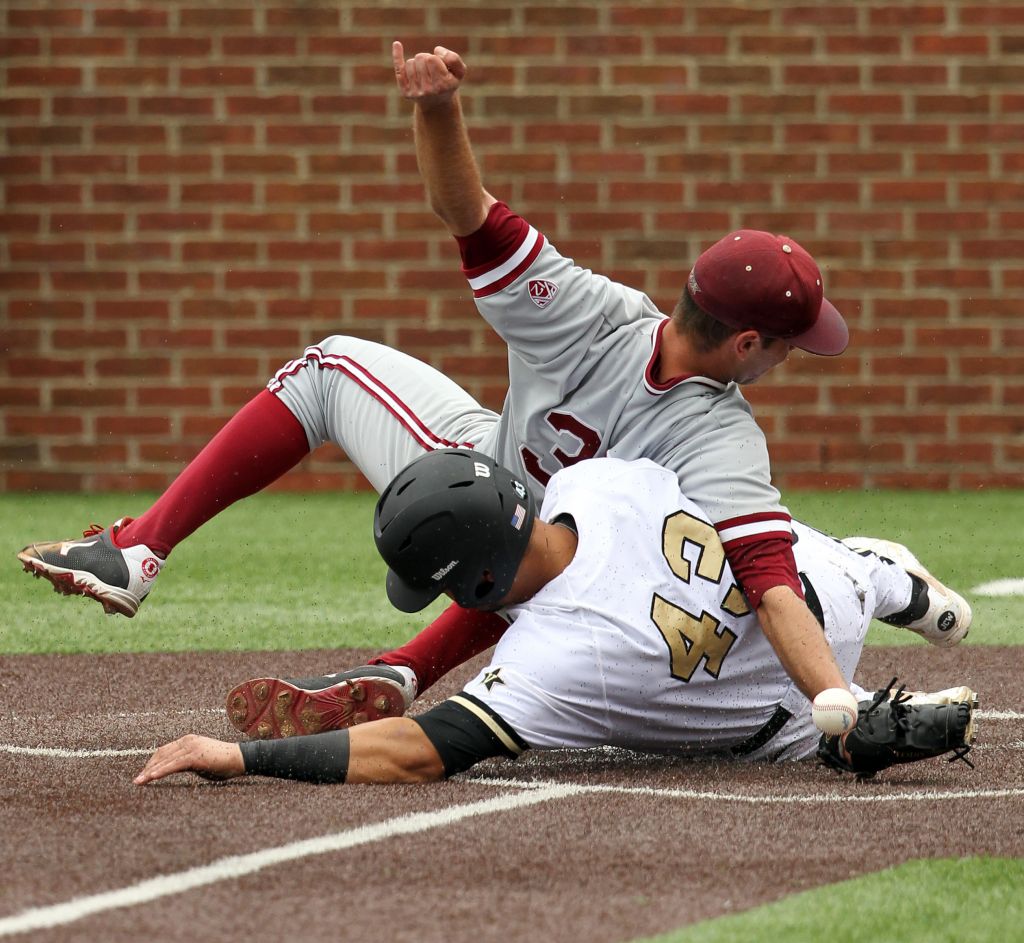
{"x":318,"y":758}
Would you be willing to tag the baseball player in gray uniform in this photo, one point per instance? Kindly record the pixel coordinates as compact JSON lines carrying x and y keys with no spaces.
{"x":628,"y":630}
{"x":594,"y":369}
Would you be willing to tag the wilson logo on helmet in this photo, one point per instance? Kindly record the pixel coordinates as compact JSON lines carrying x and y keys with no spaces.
{"x":444,"y":571}
{"x":542,"y":292}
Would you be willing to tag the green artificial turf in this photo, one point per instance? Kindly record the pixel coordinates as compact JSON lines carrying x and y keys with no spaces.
{"x":938,"y":901}
{"x":277,"y":572}
{"x":284,"y":571}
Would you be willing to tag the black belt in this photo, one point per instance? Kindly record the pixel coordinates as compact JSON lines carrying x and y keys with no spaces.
{"x":778,"y":720}
{"x":775,"y":723}
{"x":811,"y":598}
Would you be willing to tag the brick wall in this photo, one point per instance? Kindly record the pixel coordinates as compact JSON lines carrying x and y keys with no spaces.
{"x":193,"y":192}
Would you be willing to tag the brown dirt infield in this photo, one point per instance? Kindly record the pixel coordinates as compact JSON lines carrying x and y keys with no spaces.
{"x":594,"y":866}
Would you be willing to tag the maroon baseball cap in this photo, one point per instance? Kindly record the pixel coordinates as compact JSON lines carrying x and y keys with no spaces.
{"x":753,"y":280}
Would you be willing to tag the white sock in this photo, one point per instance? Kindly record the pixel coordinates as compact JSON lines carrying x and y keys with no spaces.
{"x":410,"y":678}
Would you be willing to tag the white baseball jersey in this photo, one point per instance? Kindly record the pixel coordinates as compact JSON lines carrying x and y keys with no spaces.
{"x":644,"y":641}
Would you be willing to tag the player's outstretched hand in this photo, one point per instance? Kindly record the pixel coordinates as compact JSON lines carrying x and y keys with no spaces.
{"x":429,"y":78}
{"x":214,"y":759}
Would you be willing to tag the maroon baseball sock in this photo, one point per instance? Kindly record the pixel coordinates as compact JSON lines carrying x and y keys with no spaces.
{"x":450,"y":640}
{"x":258,"y":445}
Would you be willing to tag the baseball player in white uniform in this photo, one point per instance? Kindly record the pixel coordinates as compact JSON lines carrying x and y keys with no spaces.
{"x":628,"y":629}
{"x":643,"y":640}
{"x":594,"y":369}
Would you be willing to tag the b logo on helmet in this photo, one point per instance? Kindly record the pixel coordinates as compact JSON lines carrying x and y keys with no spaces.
{"x":481,"y":470}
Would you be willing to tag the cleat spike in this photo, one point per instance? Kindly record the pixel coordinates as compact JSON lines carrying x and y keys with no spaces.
{"x":357,"y":692}
{"x":238,"y":709}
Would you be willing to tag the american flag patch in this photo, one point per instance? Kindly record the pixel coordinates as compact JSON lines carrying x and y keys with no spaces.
{"x":519,"y":517}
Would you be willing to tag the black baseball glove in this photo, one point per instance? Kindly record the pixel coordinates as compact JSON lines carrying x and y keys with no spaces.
{"x":894,"y":730}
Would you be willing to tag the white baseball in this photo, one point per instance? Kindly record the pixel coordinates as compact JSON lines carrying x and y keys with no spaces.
{"x":834,"y":711}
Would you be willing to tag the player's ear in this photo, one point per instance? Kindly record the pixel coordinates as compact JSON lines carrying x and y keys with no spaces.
{"x":746,"y":342}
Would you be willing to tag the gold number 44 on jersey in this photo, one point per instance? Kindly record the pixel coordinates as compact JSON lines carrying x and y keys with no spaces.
{"x":691,"y":639}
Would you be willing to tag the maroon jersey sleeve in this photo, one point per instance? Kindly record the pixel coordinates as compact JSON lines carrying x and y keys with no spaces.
{"x":496,"y":240}
{"x":762,"y":562}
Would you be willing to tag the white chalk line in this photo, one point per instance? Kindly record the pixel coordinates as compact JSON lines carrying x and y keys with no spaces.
{"x":1004,"y":587}
{"x":999,"y":715}
{"x":237,"y":866}
{"x":917,"y":795}
{"x":129,"y":715}
{"x":190,"y":712}
{"x":67,"y":753}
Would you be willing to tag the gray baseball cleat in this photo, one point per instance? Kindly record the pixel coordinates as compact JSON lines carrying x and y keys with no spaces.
{"x":94,"y":566}
{"x":272,"y":708}
{"x":936,"y":613}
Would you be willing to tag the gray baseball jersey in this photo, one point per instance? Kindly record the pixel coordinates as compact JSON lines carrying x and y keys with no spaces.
{"x":582,"y":356}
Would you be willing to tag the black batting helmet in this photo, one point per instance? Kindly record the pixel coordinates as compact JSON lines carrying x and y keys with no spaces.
{"x":452,"y":521}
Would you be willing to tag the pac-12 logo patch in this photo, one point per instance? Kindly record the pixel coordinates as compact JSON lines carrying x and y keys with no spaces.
{"x":542,"y":292}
